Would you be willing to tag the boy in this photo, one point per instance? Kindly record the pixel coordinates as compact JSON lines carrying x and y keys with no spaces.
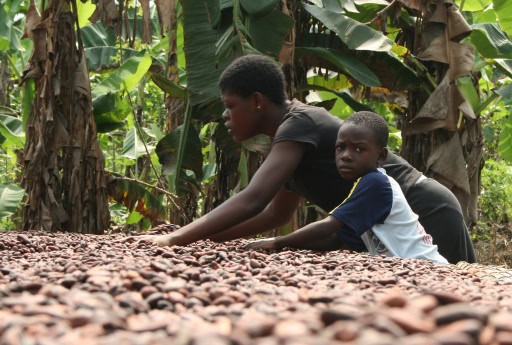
{"x":375,"y":210}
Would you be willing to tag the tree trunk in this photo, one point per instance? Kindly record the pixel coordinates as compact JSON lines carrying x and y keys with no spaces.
{"x":63,"y":164}
{"x":442,"y":133}
{"x":187,"y":191}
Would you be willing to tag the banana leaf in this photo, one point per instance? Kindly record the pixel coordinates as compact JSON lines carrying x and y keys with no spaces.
{"x":347,"y":63}
{"x":259,"y":8}
{"x":10,"y":198}
{"x":268,"y":32}
{"x":11,"y":130}
{"x":345,"y":96}
{"x":505,"y":141}
{"x":503,"y":9}
{"x":136,"y":197}
{"x":354,"y":34}
{"x":133,"y":147}
{"x":126,"y":77}
{"x":491,"y":41}
{"x":110,"y":112}
{"x":199,"y":45}
{"x":101,"y":58}
{"x":390,"y":70}
{"x":167,"y":151}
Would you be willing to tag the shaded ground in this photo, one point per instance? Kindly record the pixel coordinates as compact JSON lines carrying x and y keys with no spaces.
{"x":84,"y":289}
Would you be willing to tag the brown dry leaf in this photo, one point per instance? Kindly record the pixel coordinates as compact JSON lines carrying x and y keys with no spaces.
{"x":448,"y":161}
{"x":166,"y":14}
{"x":461,"y":60}
{"x":286,"y":55}
{"x":107,"y":11}
{"x":420,"y":5}
{"x":458,"y":28}
{"x":146,"y":21}
{"x":434,"y":113}
{"x":33,"y":19}
{"x":436,"y":50}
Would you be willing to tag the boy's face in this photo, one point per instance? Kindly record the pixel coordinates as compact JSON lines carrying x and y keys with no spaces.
{"x":357,"y":151}
{"x":241,"y":116}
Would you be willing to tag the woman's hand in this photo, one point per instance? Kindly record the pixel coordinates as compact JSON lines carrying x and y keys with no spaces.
{"x":267,"y":244}
{"x":159,"y":240}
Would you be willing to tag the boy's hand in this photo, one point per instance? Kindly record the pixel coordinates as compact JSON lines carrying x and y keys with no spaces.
{"x":267,"y":244}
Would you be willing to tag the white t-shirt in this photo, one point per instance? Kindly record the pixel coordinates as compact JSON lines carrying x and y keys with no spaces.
{"x":376,"y":211}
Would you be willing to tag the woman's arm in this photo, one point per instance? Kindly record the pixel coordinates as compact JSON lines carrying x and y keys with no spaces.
{"x":277,"y":168}
{"x":276,"y":214}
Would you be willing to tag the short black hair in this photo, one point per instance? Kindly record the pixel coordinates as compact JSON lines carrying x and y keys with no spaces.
{"x":374,"y":122}
{"x":254,"y":73}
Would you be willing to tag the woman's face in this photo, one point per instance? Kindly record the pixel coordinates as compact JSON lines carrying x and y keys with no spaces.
{"x":241,"y":116}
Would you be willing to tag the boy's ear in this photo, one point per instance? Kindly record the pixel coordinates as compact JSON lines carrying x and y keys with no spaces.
{"x":383,"y":154}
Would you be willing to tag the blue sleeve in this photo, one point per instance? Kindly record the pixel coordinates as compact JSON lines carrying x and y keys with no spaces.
{"x":369,"y":203}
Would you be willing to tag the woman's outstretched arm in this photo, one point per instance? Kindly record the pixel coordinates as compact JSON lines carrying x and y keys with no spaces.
{"x":277,"y":213}
{"x":275,"y":171}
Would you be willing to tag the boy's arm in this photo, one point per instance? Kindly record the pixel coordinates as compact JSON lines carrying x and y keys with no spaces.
{"x":276,"y":214}
{"x":307,"y":237}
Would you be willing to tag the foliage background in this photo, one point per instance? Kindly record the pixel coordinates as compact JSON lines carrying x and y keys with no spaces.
{"x":156,"y":102}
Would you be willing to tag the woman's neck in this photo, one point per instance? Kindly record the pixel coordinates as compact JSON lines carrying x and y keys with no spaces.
{"x":276,"y":114}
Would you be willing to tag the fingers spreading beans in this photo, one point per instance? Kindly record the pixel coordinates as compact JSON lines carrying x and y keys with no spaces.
{"x":60,"y":288}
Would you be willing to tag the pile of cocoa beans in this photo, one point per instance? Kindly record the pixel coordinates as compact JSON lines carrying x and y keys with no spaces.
{"x":63,"y":288}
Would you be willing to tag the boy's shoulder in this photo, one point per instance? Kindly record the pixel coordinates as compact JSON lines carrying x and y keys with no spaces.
{"x":374,"y":177}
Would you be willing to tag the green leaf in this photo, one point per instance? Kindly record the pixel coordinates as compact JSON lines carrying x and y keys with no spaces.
{"x":474,"y":5}
{"x":505,"y":142}
{"x":10,"y":198}
{"x":110,"y":112}
{"x":260,"y":7}
{"x":505,"y":66}
{"x":353,"y":33}
{"x":503,"y":9}
{"x":136,"y":197}
{"x":209,"y":170}
{"x":391,"y":71}
{"x":200,"y":38}
{"x":134,"y":217}
{"x":467,"y":89}
{"x":168,"y":86}
{"x":167,"y":151}
{"x":491,"y":41}
{"x":345,"y":96}
{"x":11,"y":130}
{"x":214,"y":12}
{"x":345,"y":62}
{"x":27,"y":100}
{"x":101,"y":58}
{"x":98,"y":35}
{"x":333,"y":5}
{"x":133,"y":147}
{"x":268,"y":32}
{"x":126,"y":77}
{"x":9,"y":34}
{"x":85,"y":10}
{"x":505,"y":91}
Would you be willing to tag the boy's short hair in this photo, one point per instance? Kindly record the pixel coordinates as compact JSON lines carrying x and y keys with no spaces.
{"x":254,"y":73}
{"x":374,"y":122}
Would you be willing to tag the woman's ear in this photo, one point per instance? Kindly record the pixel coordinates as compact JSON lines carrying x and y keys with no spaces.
{"x":383,"y":155}
{"x":259,"y":100}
